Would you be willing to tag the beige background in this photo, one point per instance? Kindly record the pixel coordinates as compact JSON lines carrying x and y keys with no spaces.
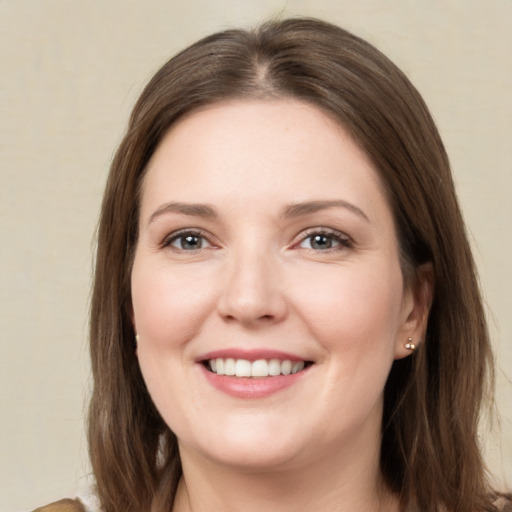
{"x":69,"y":73}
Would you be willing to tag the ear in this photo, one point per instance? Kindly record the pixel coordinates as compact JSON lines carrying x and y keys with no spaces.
{"x":418,"y":297}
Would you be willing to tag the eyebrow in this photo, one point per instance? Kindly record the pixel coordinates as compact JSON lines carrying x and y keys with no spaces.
{"x":290,"y":211}
{"x":309,"y":207}
{"x":192,"y":209}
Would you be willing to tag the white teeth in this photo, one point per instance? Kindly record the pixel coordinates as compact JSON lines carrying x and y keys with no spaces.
{"x":297,"y":367}
{"x":242,"y":368}
{"x":274,"y":367}
{"x":286,"y":367}
{"x":258,"y":368}
{"x":229,"y":367}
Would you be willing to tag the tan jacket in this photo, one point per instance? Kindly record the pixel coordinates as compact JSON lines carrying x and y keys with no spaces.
{"x":503,"y":503}
{"x":66,"y":505}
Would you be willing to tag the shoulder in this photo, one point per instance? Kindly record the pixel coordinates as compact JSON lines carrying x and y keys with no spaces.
{"x":503,"y":502}
{"x":65,"y":505}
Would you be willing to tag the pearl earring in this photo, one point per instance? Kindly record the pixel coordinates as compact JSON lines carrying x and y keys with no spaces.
{"x":410,"y":345}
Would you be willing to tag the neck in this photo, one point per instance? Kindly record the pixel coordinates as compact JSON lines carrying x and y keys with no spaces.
{"x":348,"y":482}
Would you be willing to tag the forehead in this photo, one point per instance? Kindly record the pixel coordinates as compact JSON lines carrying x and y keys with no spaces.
{"x":245,"y":148}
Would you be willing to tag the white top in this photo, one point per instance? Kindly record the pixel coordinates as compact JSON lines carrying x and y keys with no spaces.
{"x":87,"y":495}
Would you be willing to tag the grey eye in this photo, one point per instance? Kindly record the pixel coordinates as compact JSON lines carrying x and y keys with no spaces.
{"x":188,"y":242}
{"x":320,"y":242}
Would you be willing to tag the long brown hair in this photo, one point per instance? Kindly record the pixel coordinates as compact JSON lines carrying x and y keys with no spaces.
{"x":429,"y":454}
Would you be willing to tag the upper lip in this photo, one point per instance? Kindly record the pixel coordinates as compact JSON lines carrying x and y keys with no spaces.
{"x":250,"y":355}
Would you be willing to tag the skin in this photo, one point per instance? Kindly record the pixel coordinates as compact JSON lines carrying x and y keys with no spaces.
{"x":256,"y":280}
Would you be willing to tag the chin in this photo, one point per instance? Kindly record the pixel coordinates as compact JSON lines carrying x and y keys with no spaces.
{"x":244,"y":451}
{"x":253,"y":460}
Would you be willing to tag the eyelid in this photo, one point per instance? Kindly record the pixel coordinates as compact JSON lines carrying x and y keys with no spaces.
{"x":174,"y":235}
{"x":344,"y":240}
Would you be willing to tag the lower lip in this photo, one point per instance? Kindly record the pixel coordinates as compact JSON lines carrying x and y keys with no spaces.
{"x":250,"y":387}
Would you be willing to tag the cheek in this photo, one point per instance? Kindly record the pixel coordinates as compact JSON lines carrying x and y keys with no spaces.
{"x":168,"y":304}
{"x":351,"y":309}
{"x":169,"y":307}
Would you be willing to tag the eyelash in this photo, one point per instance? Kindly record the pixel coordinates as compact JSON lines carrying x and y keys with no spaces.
{"x":183,"y":234}
{"x":340,"y":240}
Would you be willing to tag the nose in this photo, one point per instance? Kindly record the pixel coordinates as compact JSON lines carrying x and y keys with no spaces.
{"x":253,"y":294}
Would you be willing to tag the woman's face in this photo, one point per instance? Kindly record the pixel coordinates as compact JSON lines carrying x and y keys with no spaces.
{"x":267,"y":246}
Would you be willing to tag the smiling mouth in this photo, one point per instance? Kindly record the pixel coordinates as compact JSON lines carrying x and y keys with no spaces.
{"x":256,"y":369}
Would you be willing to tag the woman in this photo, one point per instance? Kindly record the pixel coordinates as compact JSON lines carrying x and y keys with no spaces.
{"x":285,"y":313}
